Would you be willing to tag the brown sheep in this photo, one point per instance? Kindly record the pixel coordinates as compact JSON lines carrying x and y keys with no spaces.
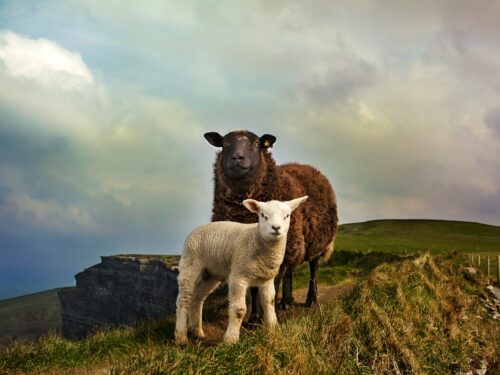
{"x":243,"y":169}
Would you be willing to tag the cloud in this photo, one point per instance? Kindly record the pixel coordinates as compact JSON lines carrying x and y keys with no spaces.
{"x":102,"y":115}
{"x":76,"y":163}
{"x":492,"y":121}
{"x":36,"y":214}
{"x":43,"y":61}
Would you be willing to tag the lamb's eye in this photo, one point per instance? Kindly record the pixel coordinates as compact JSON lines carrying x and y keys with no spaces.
{"x":264,"y":216}
{"x":286,"y":217}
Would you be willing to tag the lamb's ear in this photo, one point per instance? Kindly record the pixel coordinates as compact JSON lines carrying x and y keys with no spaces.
{"x":267,"y":140}
{"x":294,"y":203}
{"x":214,"y":138}
{"x":252,"y":205}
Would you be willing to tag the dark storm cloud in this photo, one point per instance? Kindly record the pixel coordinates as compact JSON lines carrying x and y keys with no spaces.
{"x":338,"y":82}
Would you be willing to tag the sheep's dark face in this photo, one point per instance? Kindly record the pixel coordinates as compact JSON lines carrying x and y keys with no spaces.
{"x":241,"y":151}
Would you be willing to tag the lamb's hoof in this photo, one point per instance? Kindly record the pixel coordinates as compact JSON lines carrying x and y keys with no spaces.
{"x":285,"y":305}
{"x":231,"y":339}
{"x":255,"y":321}
{"x":181,"y":340}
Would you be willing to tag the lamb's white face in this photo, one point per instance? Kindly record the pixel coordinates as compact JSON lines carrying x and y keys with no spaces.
{"x":274,"y":216}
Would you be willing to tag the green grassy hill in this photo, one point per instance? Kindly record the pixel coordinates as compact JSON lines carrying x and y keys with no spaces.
{"x":29,"y":316}
{"x":436,"y":236}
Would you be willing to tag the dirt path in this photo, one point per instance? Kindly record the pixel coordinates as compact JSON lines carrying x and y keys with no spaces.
{"x":214,"y":331}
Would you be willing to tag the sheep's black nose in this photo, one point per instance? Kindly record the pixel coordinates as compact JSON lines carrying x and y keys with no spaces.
{"x":238,"y":156}
{"x":276,"y":228}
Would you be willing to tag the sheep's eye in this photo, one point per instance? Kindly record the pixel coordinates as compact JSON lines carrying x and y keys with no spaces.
{"x":286,"y":217}
{"x":264,"y":216}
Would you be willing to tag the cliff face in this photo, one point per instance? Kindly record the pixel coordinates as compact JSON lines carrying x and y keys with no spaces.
{"x":121,"y":290}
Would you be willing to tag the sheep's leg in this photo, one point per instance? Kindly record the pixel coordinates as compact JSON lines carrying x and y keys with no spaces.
{"x":184,"y":298}
{"x":267,"y":295}
{"x":237,"y":310}
{"x":312,"y":293}
{"x":255,"y":318}
{"x":277,"y":282}
{"x":203,"y":288}
{"x":287,"y":298}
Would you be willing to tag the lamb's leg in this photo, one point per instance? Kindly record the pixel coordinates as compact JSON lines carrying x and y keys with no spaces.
{"x":255,"y":318}
{"x":287,"y":298}
{"x":184,"y":298}
{"x":237,"y":310}
{"x":267,"y":295}
{"x":203,"y":288}
{"x":312,"y":293}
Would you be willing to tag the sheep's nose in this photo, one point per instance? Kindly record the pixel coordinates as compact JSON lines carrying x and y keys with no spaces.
{"x":276,"y":228}
{"x":238,"y":156}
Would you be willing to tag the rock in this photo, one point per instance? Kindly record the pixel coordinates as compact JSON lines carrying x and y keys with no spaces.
{"x":494,"y":291}
{"x":471,"y":270}
{"x":470,"y":274}
{"x":122,"y":290}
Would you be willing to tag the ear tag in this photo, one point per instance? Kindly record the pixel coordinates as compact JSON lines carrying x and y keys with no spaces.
{"x":266,"y":143}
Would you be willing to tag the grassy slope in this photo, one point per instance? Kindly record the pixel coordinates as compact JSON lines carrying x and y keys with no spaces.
{"x":40,"y":311}
{"x":416,"y":315}
{"x":436,"y":236}
{"x":29,"y":316}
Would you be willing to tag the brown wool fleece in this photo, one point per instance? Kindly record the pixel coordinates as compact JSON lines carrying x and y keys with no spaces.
{"x":313,"y":225}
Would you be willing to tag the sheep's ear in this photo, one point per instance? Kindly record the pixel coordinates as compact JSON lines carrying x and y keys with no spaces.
{"x":214,"y":138}
{"x":252,"y":205}
{"x":294,"y":203}
{"x":267,"y":140}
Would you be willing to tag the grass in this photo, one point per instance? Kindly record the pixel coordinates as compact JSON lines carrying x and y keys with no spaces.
{"x":408,"y":236}
{"x":343,"y":265}
{"x":418,"y":315}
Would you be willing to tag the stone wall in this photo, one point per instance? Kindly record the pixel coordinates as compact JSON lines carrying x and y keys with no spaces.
{"x":121,"y":290}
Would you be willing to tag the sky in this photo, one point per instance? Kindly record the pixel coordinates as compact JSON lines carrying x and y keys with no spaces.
{"x":103,"y":106}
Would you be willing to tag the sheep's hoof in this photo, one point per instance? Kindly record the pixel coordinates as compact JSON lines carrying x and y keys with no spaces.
{"x":285,"y":305}
{"x":255,"y":321}
{"x":310,"y":302}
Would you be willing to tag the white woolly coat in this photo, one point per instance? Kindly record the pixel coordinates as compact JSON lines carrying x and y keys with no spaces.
{"x":225,"y":249}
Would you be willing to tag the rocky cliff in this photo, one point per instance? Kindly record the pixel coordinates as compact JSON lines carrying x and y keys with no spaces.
{"x":121,"y":290}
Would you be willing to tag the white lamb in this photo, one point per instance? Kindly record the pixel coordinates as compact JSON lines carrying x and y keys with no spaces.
{"x":246,"y":255}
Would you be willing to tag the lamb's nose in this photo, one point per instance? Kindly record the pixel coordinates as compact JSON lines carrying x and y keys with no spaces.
{"x":276,"y":228}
